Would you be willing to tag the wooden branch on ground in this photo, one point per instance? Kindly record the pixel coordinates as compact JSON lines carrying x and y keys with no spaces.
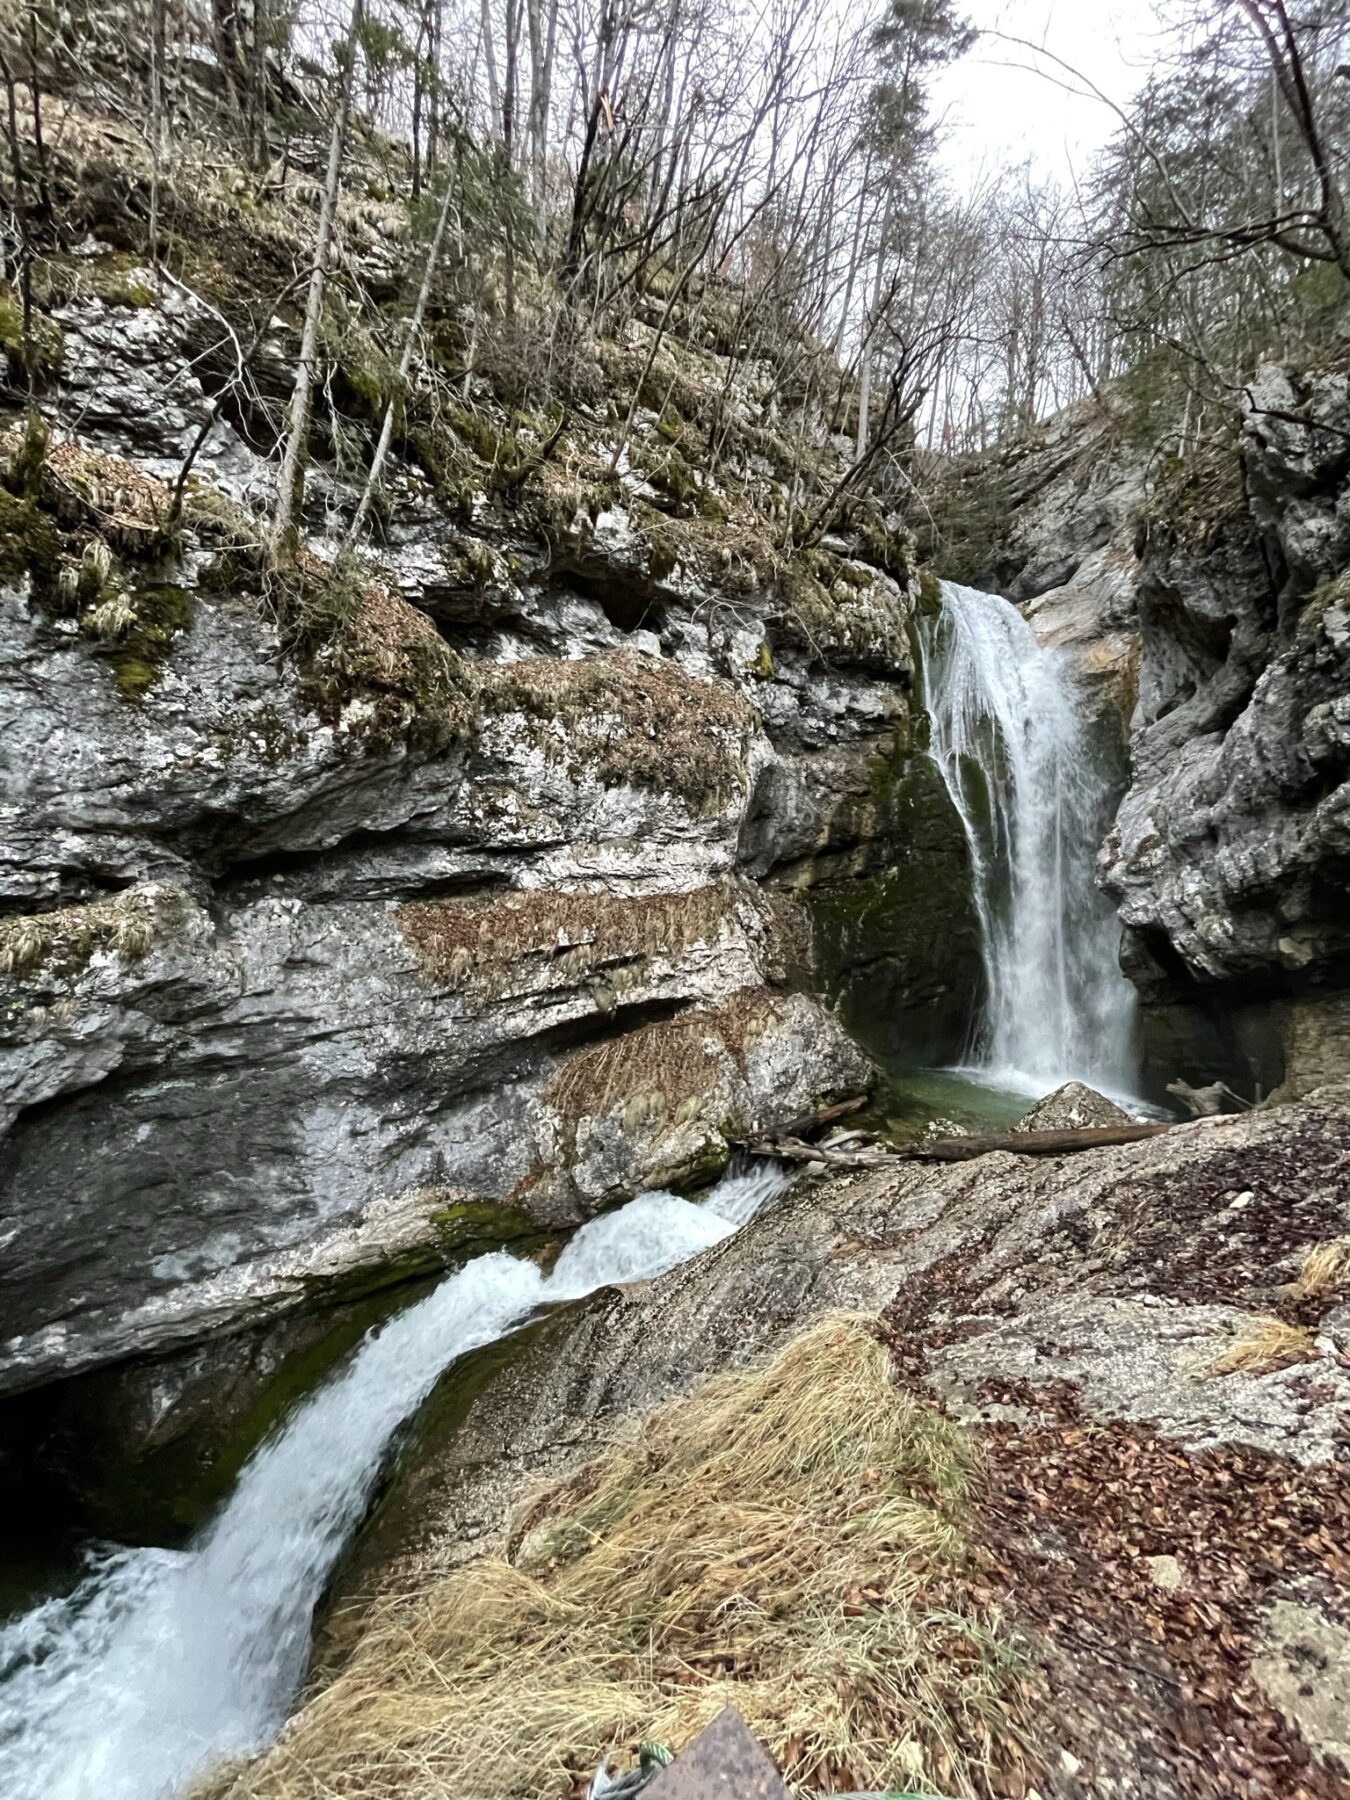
{"x":963,"y":1149}
{"x":808,"y":1123}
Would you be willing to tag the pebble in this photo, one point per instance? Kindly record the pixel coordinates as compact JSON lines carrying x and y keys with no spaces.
{"x":1166,"y":1572}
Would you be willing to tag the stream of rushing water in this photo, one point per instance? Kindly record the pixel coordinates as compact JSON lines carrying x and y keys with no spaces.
{"x":163,"y":1663}
{"x":1010,"y":742}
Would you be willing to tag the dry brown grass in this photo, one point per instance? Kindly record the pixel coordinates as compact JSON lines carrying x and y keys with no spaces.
{"x":359,"y":641}
{"x":634,"y":719}
{"x":1325,"y":1270}
{"x":662,"y":1074}
{"x":480,"y":944}
{"x":58,"y":945}
{"x":1264,"y":1344}
{"x":127,"y":505}
{"x":789,"y":1539}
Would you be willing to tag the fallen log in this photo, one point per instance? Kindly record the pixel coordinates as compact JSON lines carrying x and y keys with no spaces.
{"x":964,"y":1149}
{"x":1038,"y":1143}
{"x":807,"y":1124}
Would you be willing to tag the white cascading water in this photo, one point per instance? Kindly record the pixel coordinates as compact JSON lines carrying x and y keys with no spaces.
{"x":164,"y":1663}
{"x":1010,"y":742}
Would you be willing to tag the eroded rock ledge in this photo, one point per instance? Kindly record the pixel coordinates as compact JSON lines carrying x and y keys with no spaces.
{"x":427,"y":908}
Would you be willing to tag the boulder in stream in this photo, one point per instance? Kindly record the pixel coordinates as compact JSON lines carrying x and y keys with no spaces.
{"x":1070,"y":1108}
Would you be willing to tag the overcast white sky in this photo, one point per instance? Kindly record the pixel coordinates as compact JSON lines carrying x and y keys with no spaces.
{"x":998,"y":116}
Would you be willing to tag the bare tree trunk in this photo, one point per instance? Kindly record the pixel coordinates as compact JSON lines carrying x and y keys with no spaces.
{"x":158,"y":38}
{"x":490,"y":62}
{"x":417,"y":108}
{"x":258,"y":87}
{"x":543,"y":38}
{"x":509,"y":81}
{"x":401,"y":378}
{"x":870,"y":324}
{"x":284,"y":538}
{"x":434,"y":27}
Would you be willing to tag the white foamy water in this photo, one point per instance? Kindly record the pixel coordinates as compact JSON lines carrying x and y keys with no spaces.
{"x":162,"y":1663}
{"x":1009,"y":740}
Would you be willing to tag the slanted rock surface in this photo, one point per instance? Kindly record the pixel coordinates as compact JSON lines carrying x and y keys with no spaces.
{"x":1144,"y":1512}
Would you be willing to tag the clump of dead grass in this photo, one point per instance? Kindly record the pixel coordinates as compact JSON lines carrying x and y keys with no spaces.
{"x":360,"y":642}
{"x":665,"y":1073}
{"x":561,"y":938}
{"x":637,"y":720}
{"x":1264,"y":1344}
{"x":790,"y":1539}
{"x":60,"y":944}
{"x":1324,"y":1271}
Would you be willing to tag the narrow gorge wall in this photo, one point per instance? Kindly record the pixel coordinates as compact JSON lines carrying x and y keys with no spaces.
{"x":333,"y":950}
{"x":1230,"y":859}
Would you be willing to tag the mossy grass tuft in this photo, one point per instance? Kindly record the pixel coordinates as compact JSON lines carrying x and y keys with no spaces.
{"x":356,"y":640}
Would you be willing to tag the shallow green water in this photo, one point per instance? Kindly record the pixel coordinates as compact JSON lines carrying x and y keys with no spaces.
{"x":907,"y":1101}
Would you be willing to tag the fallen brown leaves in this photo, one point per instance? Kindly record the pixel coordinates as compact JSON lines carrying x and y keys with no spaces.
{"x":1148,"y":1686}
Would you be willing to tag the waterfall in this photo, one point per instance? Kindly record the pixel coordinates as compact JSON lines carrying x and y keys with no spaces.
{"x":1009,"y":740}
{"x":163,"y":1663}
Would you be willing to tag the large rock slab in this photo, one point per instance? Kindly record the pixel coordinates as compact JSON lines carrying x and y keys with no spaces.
{"x":1122,"y":1271}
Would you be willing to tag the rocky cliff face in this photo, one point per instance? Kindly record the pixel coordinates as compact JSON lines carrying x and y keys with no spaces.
{"x":1048,"y":521}
{"x":446,"y":902}
{"x":1230,"y":858}
{"x":1204,"y":607}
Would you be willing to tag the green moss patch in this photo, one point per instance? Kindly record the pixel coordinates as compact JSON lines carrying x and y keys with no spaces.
{"x":469,"y":1227}
{"x":1196,"y":496}
{"x":29,"y":544}
{"x":117,"y":279}
{"x":159,"y":616}
{"x":33,"y":355}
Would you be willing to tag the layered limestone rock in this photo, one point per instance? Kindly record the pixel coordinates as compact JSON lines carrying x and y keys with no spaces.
{"x":344,"y":932}
{"x":1048,"y":521}
{"x":1230,"y":854}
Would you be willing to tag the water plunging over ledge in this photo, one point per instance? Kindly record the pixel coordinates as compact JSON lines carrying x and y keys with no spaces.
{"x":1009,"y":739}
{"x":163,"y":1663}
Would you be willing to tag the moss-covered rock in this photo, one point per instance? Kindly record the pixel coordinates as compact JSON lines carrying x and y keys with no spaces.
{"x":900,"y":947}
{"x":145,"y":1451}
{"x":33,"y":355}
{"x":29,"y":545}
{"x":469,"y":1227}
{"x":158,"y":616}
